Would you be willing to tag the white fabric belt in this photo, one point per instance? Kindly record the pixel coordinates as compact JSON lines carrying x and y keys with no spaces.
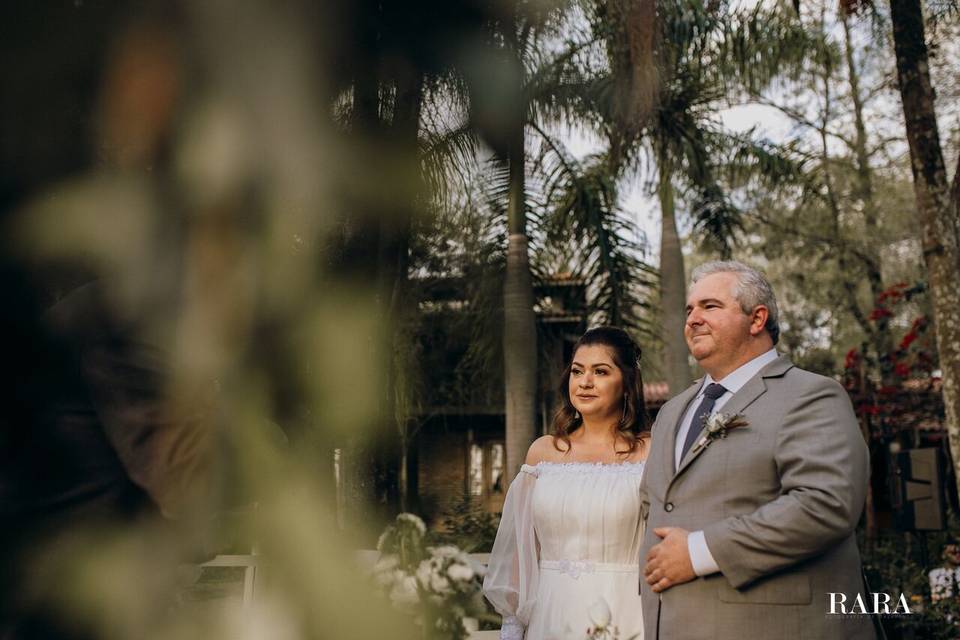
{"x":576,"y":568}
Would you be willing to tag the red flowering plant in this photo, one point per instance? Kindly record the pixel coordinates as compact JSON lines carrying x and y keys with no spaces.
{"x":896,"y":393}
{"x":894,"y":390}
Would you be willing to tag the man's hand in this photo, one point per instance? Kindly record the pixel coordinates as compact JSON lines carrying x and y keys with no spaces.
{"x":668,"y":562}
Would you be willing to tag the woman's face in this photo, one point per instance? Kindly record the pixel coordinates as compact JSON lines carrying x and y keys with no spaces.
{"x":596,"y":384}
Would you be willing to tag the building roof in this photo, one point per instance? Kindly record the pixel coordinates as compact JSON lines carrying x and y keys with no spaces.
{"x":656,"y":392}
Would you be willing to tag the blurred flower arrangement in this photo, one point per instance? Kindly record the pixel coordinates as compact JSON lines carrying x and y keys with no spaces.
{"x":440,"y":586}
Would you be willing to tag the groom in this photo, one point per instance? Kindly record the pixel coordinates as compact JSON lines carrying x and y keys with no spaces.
{"x":755,"y":482}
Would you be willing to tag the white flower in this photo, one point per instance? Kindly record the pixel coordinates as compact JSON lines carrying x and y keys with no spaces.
{"x":404,"y":592}
{"x":718,"y":424}
{"x":479,"y":569}
{"x":460,"y":573}
{"x":439,"y":584}
{"x":424,"y":573}
{"x":413,"y":520}
{"x":599,"y":613}
{"x":386,"y":579}
{"x":386,"y":563}
{"x":382,"y":540}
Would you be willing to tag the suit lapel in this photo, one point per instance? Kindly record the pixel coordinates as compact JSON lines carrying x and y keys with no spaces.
{"x":673,"y":423}
{"x":742,"y":399}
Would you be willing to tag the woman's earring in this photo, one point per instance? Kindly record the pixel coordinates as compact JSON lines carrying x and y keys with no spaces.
{"x":623,"y":414}
{"x":576,"y":414}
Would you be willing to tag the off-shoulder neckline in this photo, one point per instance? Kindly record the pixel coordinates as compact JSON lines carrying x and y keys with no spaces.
{"x":588,"y":463}
{"x":584,"y":466}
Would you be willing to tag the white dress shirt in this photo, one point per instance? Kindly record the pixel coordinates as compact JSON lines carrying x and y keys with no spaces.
{"x":700,"y":556}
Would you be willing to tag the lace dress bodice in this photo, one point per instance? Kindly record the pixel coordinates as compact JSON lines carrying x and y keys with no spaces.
{"x":570,"y":535}
{"x":588,"y":512}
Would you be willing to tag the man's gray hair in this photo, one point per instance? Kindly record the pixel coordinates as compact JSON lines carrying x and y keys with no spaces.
{"x":752,"y":290}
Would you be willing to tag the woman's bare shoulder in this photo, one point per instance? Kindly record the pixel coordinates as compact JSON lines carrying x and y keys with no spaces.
{"x":543,"y":450}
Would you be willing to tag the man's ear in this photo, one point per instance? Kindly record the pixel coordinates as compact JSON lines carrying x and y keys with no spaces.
{"x":758,"y":319}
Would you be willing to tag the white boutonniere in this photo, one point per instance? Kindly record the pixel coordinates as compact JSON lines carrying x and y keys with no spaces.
{"x":717,"y":425}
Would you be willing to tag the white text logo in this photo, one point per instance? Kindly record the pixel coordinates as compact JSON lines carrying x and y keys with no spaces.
{"x":881,"y":605}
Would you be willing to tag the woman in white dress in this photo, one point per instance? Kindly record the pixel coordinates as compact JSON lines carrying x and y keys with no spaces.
{"x":568,"y":544}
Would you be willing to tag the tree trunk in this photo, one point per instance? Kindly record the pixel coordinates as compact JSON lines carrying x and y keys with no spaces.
{"x":519,"y":319}
{"x":519,"y":322}
{"x":673,"y":289}
{"x":519,"y":353}
{"x":936,"y":210}
{"x":394,"y":267}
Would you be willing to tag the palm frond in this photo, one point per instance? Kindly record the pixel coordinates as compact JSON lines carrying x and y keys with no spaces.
{"x":762,"y":44}
{"x":716,"y":220}
{"x":447,"y":158}
{"x":584,"y":224}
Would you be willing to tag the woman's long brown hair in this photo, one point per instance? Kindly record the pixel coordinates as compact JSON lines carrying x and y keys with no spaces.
{"x":634,"y":426}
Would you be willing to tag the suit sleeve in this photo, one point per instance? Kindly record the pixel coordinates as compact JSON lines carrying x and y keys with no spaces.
{"x":823,"y":466}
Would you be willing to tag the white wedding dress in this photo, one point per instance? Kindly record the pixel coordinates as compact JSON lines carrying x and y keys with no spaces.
{"x":568,"y":544}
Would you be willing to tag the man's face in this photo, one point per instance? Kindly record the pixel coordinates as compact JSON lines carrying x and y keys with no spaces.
{"x":717,"y":330}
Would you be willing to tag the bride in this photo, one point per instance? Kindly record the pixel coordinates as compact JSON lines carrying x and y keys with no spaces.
{"x":567,"y":550}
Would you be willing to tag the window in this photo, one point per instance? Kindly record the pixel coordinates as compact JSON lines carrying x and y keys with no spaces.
{"x":497,"y":456}
{"x":476,"y":470}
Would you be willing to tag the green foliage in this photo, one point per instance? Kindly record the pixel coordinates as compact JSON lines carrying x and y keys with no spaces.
{"x":468,"y":525}
{"x":834,"y":196}
{"x":592,"y":240}
{"x":893,"y":563}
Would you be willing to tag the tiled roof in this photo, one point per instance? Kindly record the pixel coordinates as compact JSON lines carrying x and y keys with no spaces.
{"x":656,"y":392}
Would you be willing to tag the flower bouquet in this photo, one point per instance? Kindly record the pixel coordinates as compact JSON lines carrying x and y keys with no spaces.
{"x":440,"y":586}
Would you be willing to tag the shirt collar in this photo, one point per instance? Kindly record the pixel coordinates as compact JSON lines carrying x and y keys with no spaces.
{"x":741,"y":375}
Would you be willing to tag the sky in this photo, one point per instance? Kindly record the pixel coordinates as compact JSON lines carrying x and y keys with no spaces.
{"x":644,"y":208}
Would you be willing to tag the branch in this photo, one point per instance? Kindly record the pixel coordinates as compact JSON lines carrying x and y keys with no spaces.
{"x":795,"y":115}
{"x":829,"y":241}
{"x":882,"y":144}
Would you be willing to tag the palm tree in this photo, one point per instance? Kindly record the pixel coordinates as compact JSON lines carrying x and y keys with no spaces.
{"x":579,"y":226}
{"x":699,"y":54}
{"x":396,"y":59}
{"x":519,"y":319}
{"x":565,"y":220}
{"x":702,"y":54}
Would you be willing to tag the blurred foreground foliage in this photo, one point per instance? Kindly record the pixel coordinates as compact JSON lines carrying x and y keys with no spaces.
{"x":193,"y":162}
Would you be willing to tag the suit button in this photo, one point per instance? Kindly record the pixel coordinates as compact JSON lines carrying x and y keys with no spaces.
{"x":668,"y":507}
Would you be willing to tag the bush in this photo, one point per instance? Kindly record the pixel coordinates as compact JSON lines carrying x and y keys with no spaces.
{"x":893,"y":563}
{"x":468,"y":525}
{"x":440,"y":586}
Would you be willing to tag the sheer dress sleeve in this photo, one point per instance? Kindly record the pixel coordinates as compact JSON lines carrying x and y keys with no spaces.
{"x":514,"y":572}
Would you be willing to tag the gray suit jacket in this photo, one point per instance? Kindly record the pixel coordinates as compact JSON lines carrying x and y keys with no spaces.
{"x":778,"y":501}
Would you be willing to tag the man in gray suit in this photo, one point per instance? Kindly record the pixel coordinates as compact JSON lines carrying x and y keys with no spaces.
{"x":755,"y":482}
